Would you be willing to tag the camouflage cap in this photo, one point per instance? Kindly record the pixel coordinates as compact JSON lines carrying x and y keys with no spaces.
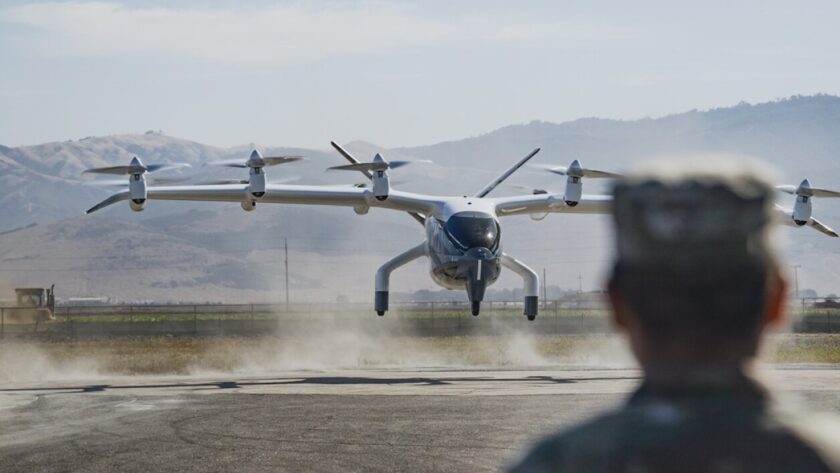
{"x":685,"y":220}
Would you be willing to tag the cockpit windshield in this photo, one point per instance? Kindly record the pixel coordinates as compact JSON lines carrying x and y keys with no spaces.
{"x":473,"y":229}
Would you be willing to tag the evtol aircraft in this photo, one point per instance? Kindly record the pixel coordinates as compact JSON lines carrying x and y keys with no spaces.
{"x":463,"y":238}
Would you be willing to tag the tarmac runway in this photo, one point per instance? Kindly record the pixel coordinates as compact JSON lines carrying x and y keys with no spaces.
{"x":350,"y":420}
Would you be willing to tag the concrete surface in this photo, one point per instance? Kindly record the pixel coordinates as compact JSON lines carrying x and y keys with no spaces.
{"x":351,"y":420}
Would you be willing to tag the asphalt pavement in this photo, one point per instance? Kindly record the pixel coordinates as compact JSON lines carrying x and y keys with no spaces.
{"x":350,"y":420}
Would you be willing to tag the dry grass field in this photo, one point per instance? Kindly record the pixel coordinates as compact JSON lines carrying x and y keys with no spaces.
{"x":169,"y":355}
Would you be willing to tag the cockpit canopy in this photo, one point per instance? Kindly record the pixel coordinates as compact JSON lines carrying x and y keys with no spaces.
{"x":473,"y":229}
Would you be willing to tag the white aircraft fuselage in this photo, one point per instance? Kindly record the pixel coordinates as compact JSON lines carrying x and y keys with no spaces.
{"x":464,"y":243}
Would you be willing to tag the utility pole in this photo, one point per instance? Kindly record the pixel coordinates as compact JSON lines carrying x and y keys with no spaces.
{"x":286,"y":264}
{"x":580,"y":283}
{"x":796,"y":280}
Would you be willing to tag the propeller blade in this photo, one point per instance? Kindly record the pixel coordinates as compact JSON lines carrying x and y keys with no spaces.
{"x":810,"y":191}
{"x":262,"y":161}
{"x":787,"y":189}
{"x":165,"y":167}
{"x":362,"y":167}
{"x":404,"y":162}
{"x":819,"y":226}
{"x":135,"y":168}
{"x":275,"y":160}
{"x":377,"y":165}
{"x":109,"y":170}
{"x":124,"y":195}
{"x":598,"y":174}
{"x":824,"y":192}
{"x":508,"y":172}
{"x":564,"y":171}
{"x":348,"y":156}
{"x":124,"y":182}
{"x":231,"y":163}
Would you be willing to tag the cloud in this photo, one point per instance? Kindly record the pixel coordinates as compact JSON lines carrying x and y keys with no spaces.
{"x":279,"y":34}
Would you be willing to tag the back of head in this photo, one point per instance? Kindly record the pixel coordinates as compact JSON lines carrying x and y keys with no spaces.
{"x":694,"y":260}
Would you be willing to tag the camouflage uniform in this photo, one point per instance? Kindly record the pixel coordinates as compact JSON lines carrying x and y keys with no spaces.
{"x":709,"y":419}
{"x":725,"y":425}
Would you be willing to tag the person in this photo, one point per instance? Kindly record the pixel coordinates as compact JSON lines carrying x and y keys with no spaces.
{"x":694,"y":284}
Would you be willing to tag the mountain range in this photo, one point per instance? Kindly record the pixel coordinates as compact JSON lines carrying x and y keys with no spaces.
{"x":216,"y":252}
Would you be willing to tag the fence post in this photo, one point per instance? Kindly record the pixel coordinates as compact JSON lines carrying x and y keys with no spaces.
{"x":802,"y":319}
{"x":195,"y":319}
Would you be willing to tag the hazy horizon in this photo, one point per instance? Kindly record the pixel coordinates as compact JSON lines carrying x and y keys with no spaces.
{"x":392,"y":73}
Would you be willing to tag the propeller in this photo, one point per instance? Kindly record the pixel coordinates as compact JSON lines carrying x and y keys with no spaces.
{"x":575,"y":170}
{"x":378,"y":164}
{"x":420,"y":218}
{"x":821,"y":227}
{"x":123,"y":183}
{"x":804,"y":189}
{"x":256,"y":160}
{"x":135,"y":167}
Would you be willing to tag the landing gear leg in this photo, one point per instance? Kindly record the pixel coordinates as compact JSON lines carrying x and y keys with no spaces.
{"x":383,"y":275}
{"x":381,"y":302}
{"x":532,"y":284}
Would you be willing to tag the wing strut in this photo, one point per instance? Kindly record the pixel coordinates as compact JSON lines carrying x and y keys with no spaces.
{"x":417,"y":216}
{"x":495,"y":182}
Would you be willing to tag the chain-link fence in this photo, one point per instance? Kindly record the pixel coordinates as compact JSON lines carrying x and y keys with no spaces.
{"x":812,"y":315}
{"x":421,"y":318}
{"x":816,"y":315}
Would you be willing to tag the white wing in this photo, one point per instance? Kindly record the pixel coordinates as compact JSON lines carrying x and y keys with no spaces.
{"x":287,"y":194}
{"x":785,"y":217}
{"x":542,"y":203}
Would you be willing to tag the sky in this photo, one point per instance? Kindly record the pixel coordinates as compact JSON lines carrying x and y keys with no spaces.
{"x":393,"y":73}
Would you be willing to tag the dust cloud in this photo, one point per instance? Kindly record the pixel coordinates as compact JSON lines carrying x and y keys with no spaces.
{"x":23,"y":362}
{"x":399,"y":346}
{"x":314,"y":345}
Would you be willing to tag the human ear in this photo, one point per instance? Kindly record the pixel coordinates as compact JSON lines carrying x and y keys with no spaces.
{"x":774,"y":304}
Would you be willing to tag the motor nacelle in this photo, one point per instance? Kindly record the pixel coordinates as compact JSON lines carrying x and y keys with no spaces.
{"x":802,"y":210}
{"x":574,"y":190}
{"x":137,"y":186}
{"x":137,"y":205}
{"x":137,"y":191}
{"x":381,"y":181}
{"x":574,"y":184}
{"x":256,"y":182}
{"x":248,"y":205}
